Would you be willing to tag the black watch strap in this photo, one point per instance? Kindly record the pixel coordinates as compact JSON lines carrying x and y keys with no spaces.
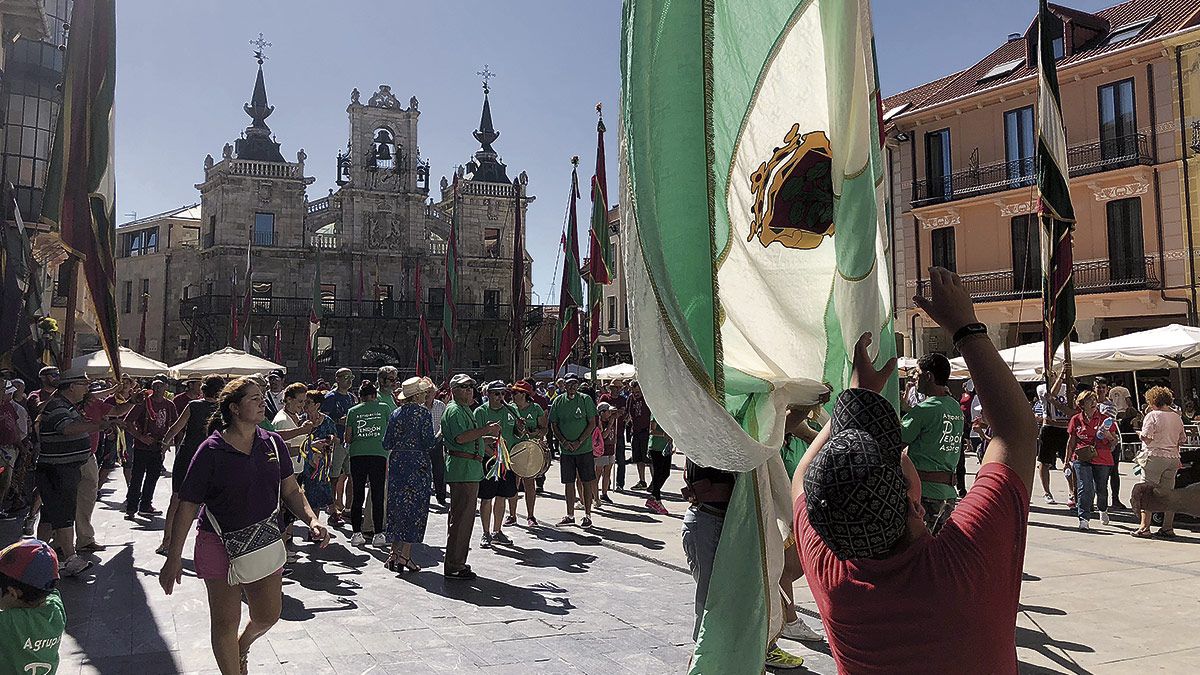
{"x":969,"y":330}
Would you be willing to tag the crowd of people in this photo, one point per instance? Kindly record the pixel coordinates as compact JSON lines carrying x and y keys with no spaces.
{"x":257,"y":461}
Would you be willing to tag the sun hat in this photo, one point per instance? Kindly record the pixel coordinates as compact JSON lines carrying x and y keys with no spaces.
{"x":522,"y":387}
{"x":462,"y":380}
{"x":497,"y":385}
{"x":31,"y":562}
{"x":412,"y":387}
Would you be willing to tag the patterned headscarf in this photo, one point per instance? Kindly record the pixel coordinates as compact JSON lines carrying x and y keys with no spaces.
{"x":855,"y":491}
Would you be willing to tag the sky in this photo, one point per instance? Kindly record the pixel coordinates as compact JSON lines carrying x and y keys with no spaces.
{"x":184,"y":69}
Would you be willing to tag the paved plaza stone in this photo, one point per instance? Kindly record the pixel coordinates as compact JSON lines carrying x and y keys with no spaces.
{"x":617,"y":600}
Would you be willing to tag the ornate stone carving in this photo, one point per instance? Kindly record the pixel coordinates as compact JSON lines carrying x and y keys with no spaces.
{"x":412,"y":104}
{"x":493,"y":209}
{"x":208,"y":162}
{"x":524,"y":178}
{"x":264,"y":192}
{"x":445,"y":183}
{"x":384,"y":230}
{"x":227,"y":151}
{"x":947,"y":220}
{"x":1134,"y":189}
{"x":300,"y":157}
{"x":384,"y":98}
{"x":354,"y":96}
{"x":1019,"y":209}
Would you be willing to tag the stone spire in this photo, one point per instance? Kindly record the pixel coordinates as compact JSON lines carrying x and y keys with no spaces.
{"x":257,"y":143}
{"x":487,"y":166}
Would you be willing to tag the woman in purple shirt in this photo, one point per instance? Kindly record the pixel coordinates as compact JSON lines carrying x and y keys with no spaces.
{"x":237,"y":474}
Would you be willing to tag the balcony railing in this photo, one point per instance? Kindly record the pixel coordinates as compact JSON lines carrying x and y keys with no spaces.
{"x":1091,"y":277}
{"x":326,"y":242}
{"x":205,"y":306}
{"x":1083,"y":160}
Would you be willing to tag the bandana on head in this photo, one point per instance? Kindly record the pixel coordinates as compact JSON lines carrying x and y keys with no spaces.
{"x":855,"y":492}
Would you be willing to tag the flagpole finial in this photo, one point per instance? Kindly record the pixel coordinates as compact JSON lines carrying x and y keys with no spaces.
{"x":575,"y":160}
{"x":487,"y":75}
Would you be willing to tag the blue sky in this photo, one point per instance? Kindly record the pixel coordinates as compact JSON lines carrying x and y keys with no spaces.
{"x":184,"y":69}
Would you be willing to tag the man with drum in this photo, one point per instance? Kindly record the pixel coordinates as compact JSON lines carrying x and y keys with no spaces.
{"x":572,"y":419}
{"x":531,"y":426}
{"x":494,"y":493}
{"x":464,"y":469}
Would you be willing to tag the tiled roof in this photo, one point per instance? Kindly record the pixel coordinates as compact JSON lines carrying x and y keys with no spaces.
{"x":189,"y":212}
{"x":1172,"y":16}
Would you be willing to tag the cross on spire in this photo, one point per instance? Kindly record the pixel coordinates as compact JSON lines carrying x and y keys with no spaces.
{"x":261,"y":44}
{"x":486,"y":74}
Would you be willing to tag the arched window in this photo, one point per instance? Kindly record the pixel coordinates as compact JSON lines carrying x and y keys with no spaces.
{"x":383,"y":148}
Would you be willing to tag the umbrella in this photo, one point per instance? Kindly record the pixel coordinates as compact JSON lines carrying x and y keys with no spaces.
{"x":227,"y":361}
{"x":621,"y":371}
{"x":569,"y":368}
{"x":134,"y":364}
{"x":1026,"y":361}
{"x":1158,"y":348}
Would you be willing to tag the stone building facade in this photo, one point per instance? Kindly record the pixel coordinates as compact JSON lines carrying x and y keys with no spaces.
{"x":354,"y":254}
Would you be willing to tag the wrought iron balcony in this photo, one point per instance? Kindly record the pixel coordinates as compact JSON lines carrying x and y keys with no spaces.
{"x":1091,"y":277}
{"x":1083,"y":160}
{"x":207,"y":306}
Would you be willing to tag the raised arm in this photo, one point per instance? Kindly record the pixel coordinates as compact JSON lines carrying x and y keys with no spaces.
{"x":1014,"y":434}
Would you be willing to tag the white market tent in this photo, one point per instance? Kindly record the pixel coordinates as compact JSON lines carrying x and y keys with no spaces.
{"x":1026,"y":361}
{"x":97,"y":364}
{"x":621,"y":371}
{"x":1171,"y":346}
{"x":568,"y":368}
{"x":227,"y":361}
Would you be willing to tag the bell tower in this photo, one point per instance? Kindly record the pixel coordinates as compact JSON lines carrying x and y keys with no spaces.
{"x":382,"y":153}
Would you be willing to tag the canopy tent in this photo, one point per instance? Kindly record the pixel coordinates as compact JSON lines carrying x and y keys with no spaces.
{"x":621,"y":371}
{"x":1026,"y":361}
{"x":227,"y":361}
{"x":1158,"y":348}
{"x":134,"y":364}
{"x":905,"y":365}
{"x":569,"y":368}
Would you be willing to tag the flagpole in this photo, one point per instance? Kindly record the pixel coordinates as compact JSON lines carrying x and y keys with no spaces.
{"x":68,"y":350}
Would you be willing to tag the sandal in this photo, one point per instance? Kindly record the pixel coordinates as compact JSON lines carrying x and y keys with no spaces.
{"x":407,"y":564}
{"x":1141,"y":533}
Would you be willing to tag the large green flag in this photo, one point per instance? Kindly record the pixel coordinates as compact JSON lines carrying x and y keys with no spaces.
{"x":758,"y":253}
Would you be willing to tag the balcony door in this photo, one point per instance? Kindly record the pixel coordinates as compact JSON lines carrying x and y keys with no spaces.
{"x":943,"y":254}
{"x":937,"y":163}
{"x":1118,"y":121}
{"x":1019,"y":146}
{"x":1126,"y":248}
{"x":1026,"y":254}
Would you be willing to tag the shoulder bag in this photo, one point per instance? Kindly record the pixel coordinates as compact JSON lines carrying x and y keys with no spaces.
{"x":257,"y":551}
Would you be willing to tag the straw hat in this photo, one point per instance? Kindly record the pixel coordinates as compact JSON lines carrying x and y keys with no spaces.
{"x":412,"y":388}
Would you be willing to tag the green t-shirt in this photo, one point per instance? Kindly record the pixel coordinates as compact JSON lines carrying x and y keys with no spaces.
{"x":933,"y":432}
{"x":30,"y":638}
{"x":792,"y":452}
{"x":386,"y":397}
{"x":368,"y":421}
{"x":657,"y":443}
{"x":531,"y":414}
{"x":572,"y":416}
{"x":506,"y":417}
{"x":456,"y":421}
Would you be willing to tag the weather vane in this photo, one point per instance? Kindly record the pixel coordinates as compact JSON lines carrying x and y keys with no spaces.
{"x":486,"y":74}
{"x":261,"y":44}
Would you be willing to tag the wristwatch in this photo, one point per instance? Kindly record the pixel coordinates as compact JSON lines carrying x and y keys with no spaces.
{"x":969,"y":330}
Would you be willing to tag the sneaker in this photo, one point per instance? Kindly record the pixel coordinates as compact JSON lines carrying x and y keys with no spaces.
{"x":74,"y":566}
{"x":485,"y":541}
{"x":1083,"y":524}
{"x":357,"y":539}
{"x":130,"y":515}
{"x":378,"y":540}
{"x":640,"y":485}
{"x":462,"y":575}
{"x":657,"y":507}
{"x":92,"y":547}
{"x":1049,"y":498}
{"x":777,"y":658}
{"x":1104,"y":518}
{"x":149,"y":512}
{"x":798,"y":630}
{"x":510,"y":521}
{"x":501,"y":538}
{"x":1071,"y":504}
{"x":586,"y":523}
{"x":606,"y":499}
{"x":1119,"y":506}
{"x":531,"y":521}
{"x":566,"y":520}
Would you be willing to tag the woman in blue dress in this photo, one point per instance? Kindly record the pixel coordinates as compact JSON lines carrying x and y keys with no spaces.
{"x":408,"y":440}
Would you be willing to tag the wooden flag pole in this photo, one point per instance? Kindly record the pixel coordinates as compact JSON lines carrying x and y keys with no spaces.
{"x":68,"y":350}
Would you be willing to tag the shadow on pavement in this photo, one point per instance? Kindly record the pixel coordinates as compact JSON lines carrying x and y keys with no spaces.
{"x":566,"y":561}
{"x":1050,"y":648}
{"x":482,"y":592}
{"x":628,"y":538}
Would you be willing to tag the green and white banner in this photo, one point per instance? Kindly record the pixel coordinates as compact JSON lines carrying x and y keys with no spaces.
{"x":755,"y":203}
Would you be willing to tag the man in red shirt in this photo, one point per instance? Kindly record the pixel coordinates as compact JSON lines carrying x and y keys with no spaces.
{"x":148,"y":424}
{"x":893,"y":598}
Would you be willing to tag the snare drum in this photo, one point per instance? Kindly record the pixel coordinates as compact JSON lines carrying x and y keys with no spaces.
{"x":529,"y":459}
